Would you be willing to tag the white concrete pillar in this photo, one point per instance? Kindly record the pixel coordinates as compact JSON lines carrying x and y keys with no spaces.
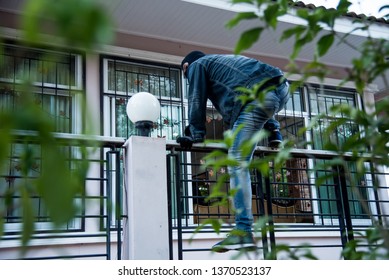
{"x":383,"y":193}
{"x":147,"y":228}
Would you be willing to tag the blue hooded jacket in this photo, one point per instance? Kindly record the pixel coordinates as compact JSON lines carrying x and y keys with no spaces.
{"x":217,"y":77}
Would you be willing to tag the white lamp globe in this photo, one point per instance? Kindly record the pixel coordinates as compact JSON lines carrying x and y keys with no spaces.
{"x":143,"y":106}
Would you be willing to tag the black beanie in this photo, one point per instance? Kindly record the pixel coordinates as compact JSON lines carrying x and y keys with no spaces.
{"x":191,"y":57}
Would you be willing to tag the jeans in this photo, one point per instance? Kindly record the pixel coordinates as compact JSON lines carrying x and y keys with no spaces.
{"x":252,"y":118}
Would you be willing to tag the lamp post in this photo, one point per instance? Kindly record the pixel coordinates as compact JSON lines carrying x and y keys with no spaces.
{"x":147,"y":229}
{"x":143,"y":109}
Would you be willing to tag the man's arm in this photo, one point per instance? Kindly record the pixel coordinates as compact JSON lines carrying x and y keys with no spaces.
{"x":197,"y":101}
{"x":197,"y":106}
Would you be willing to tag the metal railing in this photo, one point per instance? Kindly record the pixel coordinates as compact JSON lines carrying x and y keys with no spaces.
{"x":95,"y":232}
{"x":288,"y":201}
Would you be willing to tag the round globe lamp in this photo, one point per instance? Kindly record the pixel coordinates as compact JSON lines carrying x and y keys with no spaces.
{"x":143,"y":109}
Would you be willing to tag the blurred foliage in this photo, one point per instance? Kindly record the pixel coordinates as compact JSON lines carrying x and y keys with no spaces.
{"x":369,"y":144}
{"x":371,"y":245}
{"x":81,"y":24}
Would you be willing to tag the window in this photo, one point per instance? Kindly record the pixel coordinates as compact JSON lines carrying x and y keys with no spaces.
{"x":57,"y":89}
{"x":321,"y":100}
{"x":123,"y":78}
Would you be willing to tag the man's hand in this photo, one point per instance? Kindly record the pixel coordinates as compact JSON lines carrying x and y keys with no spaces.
{"x":185,"y":142}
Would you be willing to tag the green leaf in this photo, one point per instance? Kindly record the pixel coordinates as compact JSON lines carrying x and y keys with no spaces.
{"x":343,"y":6}
{"x":296,"y":49}
{"x":302,"y":13}
{"x":55,"y":181}
{"x":27,"y":160}
{"x":296,"y":31}
{"x":30,"y":22}
{"x":247,"y":146}
{"x":325,"y":43}
{"x":247,"y":39}
{"x":216,"y":224}
{"x":239,"y":17}
{"x":81,"y":23}
{"x":383,"y":8}
{"x":5,"y":139}
{"x":1,"y":225}
{"x":271,"y":15}
{"x":329,"y":17}
{"x":242,"y":1}
{"x":27,"y":217}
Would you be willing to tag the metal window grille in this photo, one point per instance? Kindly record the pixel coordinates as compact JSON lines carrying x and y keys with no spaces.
{"x":122,"y":78}
{"x":51,"y":81}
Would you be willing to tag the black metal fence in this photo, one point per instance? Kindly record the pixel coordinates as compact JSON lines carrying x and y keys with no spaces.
{"x":295,"y":200}
{"x":96,"y":230}
{"x":291,"y":201}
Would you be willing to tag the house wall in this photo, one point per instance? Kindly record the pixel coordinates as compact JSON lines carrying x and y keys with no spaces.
{"x":77,"y":248}
{"x":324,"y":251}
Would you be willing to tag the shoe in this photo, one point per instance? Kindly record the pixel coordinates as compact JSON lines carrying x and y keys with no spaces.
{"x":275,"y":139}
{"x":235,"y":241}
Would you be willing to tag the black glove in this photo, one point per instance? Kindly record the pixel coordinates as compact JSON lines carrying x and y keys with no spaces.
{"x":185,"y":142}
{"x":187,"y":131}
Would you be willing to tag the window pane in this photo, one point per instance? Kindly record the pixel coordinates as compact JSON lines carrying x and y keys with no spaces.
{"x":295,"y":102}
{"x":54,"y":79}
{"x":322,"y":99}
{"x":7,"y":67}
{"x":170,"y":122}
{"x":38,"y":66}
{"x":126,"y":77}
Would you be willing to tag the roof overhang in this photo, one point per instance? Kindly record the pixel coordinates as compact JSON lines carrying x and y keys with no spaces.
{"x":175,"y":27}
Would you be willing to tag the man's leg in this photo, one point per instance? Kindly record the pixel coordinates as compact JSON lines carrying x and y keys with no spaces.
{"x":281,"y":97}
{"x":247,"y":124}
{"x":275,"y":138}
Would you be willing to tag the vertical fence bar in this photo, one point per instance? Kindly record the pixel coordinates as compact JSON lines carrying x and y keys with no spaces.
{"x":270,"y":217}
{"x":178,"y":207}
{"x":375,"y":184}
{"x":340,"y":204}
{"x":261,"y":209}
{"x":108,"y":203}
{"x":118,"y":203}
{"x":169,"y":204}
{"x":346,"y":205}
